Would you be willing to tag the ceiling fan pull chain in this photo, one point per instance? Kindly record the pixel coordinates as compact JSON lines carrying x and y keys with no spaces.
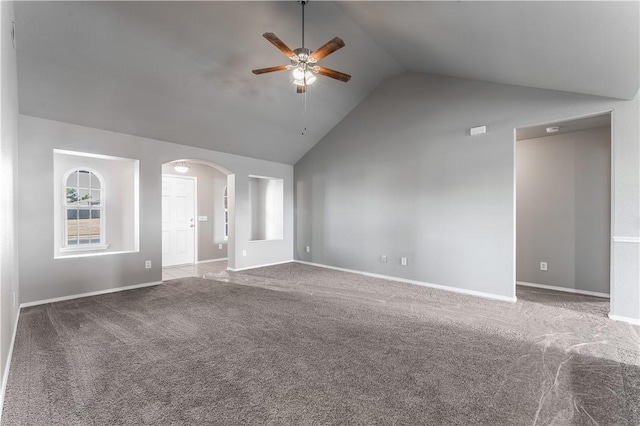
{"x":304,"y":112}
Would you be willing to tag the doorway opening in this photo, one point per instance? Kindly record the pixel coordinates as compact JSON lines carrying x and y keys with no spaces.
{"x":563,"y":208}
{"x":198,"y":204}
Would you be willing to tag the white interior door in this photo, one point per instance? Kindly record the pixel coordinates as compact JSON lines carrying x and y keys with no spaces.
{"x":178,"y":220}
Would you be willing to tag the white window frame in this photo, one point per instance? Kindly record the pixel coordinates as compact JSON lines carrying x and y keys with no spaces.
{"x":102,"y":245}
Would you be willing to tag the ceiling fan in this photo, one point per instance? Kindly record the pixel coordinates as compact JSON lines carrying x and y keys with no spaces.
{"x":303,"y":60}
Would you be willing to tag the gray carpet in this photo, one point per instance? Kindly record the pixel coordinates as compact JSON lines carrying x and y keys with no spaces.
{"x":203,"y":351}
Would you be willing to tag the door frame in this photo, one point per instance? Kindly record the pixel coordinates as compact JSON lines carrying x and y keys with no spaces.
{"x":612,"y":238}
{"x":195,"y":214}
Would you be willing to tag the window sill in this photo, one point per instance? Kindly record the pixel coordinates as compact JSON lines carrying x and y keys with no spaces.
{"x":92,"y":254}
{"x":83,"y":248}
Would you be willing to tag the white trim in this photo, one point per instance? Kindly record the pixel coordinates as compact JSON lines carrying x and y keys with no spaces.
{"x":83,"y":247}
{"x":260,"y":266}
{"x":73,"y":256}
{"x":420,"y":283}
{"x":208,"y":261}
{"x":91,"y":293}
{"x":91,"y":155}
{"x":633,"y":321}
{"x":5,"y":376}
{"x":564,"y":289}
{"x":612,"y":209}
{"x":196,"y":222}
{"x":102,"y":245}
{"x":225,"y":213}
{"x":514,"y":253}
{"x":632,"y":240}
{"x":266,"y":177}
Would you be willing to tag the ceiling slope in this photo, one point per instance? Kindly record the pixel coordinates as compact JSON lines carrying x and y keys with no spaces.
{"x":181,"y":71}
{"x":590,"y":47}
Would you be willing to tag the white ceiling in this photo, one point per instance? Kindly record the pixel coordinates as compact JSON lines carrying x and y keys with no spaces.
{"x":569,"y":126}
{"x":181,"y":71}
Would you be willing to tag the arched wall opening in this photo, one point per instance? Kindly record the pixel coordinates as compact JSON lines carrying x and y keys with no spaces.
{"x":198,"y":213}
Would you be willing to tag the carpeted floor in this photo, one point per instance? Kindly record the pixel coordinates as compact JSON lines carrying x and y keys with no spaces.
{"x":293,"y":344}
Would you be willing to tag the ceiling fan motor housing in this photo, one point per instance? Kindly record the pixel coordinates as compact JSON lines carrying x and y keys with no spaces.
{"x":302,"y":54}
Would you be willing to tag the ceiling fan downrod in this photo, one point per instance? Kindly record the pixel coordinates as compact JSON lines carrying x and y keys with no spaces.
{"x":303,"y":2}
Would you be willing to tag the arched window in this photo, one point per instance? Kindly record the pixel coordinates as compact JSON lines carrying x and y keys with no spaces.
{"x":226,"y":212}
{"x":84,"y":210}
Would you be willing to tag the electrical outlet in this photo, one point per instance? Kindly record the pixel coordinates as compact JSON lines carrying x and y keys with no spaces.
{"x":147,"y":264}
{"x":244,"y":252}
{"x":219,"y":246}
{"x":543,"y":266}
{"x":403,"y":261}
{"x":383,"y":259}
{"x":307,"y":249}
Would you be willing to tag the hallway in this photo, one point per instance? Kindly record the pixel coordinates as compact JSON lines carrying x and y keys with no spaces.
{"x":193,"y":270}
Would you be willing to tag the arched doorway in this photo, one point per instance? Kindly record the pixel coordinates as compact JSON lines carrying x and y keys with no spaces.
{"x":198,"y":207}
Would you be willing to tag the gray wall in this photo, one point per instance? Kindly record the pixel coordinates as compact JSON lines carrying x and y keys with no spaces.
{"x":257,"y":213}
{"x":211,"y":183}
{"x":401,"y":176}
{"x":43,"y":277}
{"x":8,"y":181}
{"x":563,"y":213}
{"x":265,"y":202}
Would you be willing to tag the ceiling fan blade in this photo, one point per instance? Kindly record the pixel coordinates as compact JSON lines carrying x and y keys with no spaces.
{"x":270,"y":69}
{"x":301,"y":89}
{"x":273,"y":39}
{"x":327,"y":72}
{"x":328,"y":48}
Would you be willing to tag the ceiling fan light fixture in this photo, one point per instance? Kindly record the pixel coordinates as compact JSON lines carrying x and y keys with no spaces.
{"x":302,"y":77}
{"x":298,"y":73}
{"x":180,"y":167}
{"x":309,"y":77}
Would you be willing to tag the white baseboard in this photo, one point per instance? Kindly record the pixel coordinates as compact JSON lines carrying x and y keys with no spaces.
{"x":212,"y":260}
{"x":564,"y":289}
{"x":259,"y":266}
{"x":420,"y":283}
{"x":92,"y":293}
{"x":5,"y":376}
{"x":632,"y":321}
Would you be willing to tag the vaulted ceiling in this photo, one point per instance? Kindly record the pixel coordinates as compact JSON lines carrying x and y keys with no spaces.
{"x":181,"y":71}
